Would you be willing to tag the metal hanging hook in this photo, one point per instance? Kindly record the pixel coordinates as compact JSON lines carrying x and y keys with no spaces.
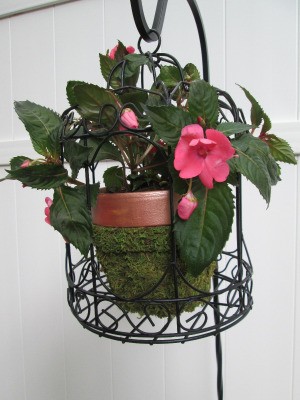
{"x":149,"y":34}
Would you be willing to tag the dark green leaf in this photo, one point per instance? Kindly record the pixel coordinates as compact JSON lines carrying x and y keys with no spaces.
{"x":70,"y":216}
{"x":16,"y":162}
{"x":280,"y":149}
{"x":113,"y":179}
{"x":180,"y":185}
{"x":136,"y":97}
{"x":203,"y":102}
{"x":93,"y":192}
{"x":107,"y":65}
{"x":167,"y":122}
{"x":191,"y":73}
{"x":41,"y":176}
{"x":256,"y":163}
{"x":92,"y":98}
{"x":70,"y":91}
{"x":43,"y":126}
{"x":257,"y":113}
{"x":233,"y":128}
{"x":107,"y":151}
{"x":77,"y":155}
{"x":267,"y":125}
{"x":136,"y":60}
{"x":169,"y":75}
{"x":203,"y":236}
{"x":121,"y":52}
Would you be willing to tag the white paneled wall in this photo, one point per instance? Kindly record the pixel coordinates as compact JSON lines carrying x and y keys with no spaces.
{"x":44,"y":353}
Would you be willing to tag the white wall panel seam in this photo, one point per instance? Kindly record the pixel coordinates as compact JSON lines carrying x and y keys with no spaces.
{"x":296,"y":274}
{"x":59,"y":247}
{"x":297,"y":59}
{"x":110,"y":342}
{"x":11,"y":81}
{"x":19,"y":291}
{"x":224,"y":46}
{"x":103,"y":28}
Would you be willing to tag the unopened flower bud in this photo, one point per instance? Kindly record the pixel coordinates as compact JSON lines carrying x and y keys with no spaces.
{"x":25,"y":164}
{"x":113,"y":51}
{"x":187,"y":205}
{"x":129,"y":120}
{"x":49,"y":203}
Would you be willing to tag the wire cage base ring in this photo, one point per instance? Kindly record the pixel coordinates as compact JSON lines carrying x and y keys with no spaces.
{"x":101,"y":312}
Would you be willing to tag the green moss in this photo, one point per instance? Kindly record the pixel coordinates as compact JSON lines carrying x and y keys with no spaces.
{"x":135,"y":259}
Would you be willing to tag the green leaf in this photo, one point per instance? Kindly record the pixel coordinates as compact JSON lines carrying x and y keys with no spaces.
{"x":77,"y":155}
{"x":267,"y":125}
{"x":233,"y":128}
{"x":70,"y":216}
{"x":41,"y":176}
{"x":256,"y":110}
{"x":16,"y":162}
{"x":180,"y":185}
{"x":70,"y":92}
{"x":167,"y":122}
{"x":92,"y":98}
{"x":113,"y":179}
{"x":136,"y":97}
{"x":257,"y":113}
{"x":203,"y":236}
{"x":191,"y":73}
{"x":107,"y":151}
{"x":280,"y":149}
{"x":106,"y":65}
{"x":121,"y":52}
{"x":256,"y":163}
{"x":203,"y":102}
{"x":170,"y":75}
{"x":43,"y":126}
{"x":136,"y":60}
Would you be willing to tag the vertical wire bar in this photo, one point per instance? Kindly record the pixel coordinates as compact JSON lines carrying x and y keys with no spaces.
{"x":218,"y":342}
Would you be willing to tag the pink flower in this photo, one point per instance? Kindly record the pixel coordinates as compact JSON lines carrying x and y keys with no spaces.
{"x":187,"y":205}
{"x":112,"y":53}
{"x":25,"y":164}
{"x":203,"y":156}
{"x":129,"y":120}
{"x":49,"y":202}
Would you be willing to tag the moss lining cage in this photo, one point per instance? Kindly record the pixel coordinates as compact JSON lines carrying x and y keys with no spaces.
{"x":135,"y":259}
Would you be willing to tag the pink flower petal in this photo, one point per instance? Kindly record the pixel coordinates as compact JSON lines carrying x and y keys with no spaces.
{"x":203,"y":156}
{"x":187,"y":161}
{"x":206,"y":178}
{"x":219,"y":169}
{"x":224,"y":148}
{"x":193,"y":131}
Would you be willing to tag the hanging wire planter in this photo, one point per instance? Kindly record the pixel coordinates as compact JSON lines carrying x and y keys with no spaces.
{"x":190,"y":313}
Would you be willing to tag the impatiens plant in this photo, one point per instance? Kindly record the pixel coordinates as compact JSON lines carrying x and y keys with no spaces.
{"x":176,"y":133}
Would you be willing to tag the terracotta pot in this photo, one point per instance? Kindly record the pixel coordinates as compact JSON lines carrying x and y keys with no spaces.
{"x":132,"y":237}
{"x":134,"y":209}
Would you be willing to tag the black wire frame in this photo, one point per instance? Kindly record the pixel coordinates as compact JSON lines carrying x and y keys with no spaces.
{"x":230,"y":300}
{"x":105,"y":313}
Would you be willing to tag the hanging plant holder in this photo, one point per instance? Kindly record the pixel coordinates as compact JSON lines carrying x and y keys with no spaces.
{"x":133,"y":286}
